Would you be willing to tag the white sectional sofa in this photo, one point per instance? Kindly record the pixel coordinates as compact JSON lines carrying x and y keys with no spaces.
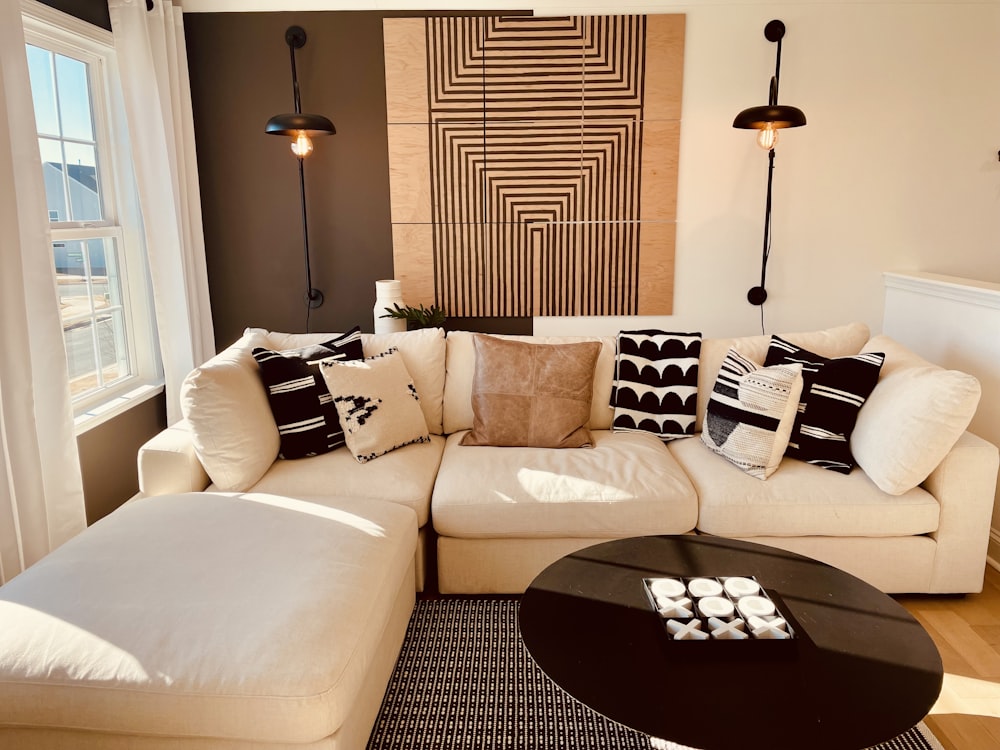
{"x":499,"y":515}
{"x":251,"y":601}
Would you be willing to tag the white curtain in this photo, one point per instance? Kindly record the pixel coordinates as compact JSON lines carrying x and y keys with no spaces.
{"x":41,"y":490}
{"x":152,"y":61}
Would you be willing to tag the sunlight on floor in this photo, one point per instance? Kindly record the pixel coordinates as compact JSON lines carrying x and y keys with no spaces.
{"x":967,"y":695}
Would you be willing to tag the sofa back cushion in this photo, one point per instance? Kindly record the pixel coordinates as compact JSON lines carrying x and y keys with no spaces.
{"x":232,"y":428}
{"x":461,"y":370}
{"x":912,"y":418}
{"x":423,"y":353}
{"x":841,"y":341}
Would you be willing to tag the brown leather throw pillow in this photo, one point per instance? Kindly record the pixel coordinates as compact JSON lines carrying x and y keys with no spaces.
{"x":533,"y":395}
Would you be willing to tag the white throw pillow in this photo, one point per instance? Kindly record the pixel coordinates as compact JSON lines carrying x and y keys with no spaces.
{"x":912,"y":418}
{"x":751,"y":413}
{"x":232,"y":428}
{"x":378,"y":404}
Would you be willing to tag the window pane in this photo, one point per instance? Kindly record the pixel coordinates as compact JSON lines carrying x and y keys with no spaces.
{"x":70,"y":268}
{"x":101,"y":270}
{"x":84,"y":190}
{"x":112,"y":346}
{"x":60,"y":88}
{"x":74,"y":99}
{"x":43,"y":90}
{"x":79,"y":340}
{"x":52,"y":171}
{"x":90,"y":299}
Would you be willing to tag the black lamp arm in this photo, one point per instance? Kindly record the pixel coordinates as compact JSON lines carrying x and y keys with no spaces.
{"x":776,"y":77}
{"x":295,"y":82}
{"x":295,"y":36}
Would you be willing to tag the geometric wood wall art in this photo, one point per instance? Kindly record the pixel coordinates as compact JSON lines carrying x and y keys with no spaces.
{"x":533,"y":162}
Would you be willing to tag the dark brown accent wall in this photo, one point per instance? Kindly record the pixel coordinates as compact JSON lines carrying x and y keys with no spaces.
{"x":91,"y":11}
{"x":240,"y":76}
{"x":108,"y":455}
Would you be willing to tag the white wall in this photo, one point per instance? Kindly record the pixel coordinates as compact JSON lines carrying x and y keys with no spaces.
{"x":954,"y":322}
{"x":897,"y":168}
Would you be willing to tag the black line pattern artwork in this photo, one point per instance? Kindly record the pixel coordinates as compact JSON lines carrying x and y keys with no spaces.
{"x":536,"y":131}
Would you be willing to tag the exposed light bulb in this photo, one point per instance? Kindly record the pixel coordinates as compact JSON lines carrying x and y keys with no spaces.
{"x":302,"y":146}
{"x":767,"y":137}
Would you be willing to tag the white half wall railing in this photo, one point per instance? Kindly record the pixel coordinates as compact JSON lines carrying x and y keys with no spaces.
{"x":955,"y":323}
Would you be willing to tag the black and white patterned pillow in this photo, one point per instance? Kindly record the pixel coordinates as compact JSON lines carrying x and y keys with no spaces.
{"x":833,"y":392}
{"x":656,"y":383}
{"x":378,"y":404}
{"x":750,"y":413}
{"x":300,"y":401}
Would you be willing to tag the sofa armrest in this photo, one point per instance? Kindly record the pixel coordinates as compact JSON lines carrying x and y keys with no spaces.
{"x":168,"y":463}
{"x":964,"y":484}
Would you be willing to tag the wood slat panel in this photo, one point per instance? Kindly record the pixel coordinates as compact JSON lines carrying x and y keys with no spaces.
{"x":405,"y":70}
{"x":537,"y":121}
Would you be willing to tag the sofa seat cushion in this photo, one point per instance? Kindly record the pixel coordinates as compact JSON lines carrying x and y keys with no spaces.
{"x":241,"y":617}
{"x":404,"y":476}
{"x":799,"y":499}
{"x":626,"y":484}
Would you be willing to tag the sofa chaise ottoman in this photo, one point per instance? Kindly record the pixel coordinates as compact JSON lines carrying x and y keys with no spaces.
{"x":209,"y":621}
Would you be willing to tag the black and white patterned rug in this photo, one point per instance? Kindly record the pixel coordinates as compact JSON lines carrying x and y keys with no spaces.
{"x":464,"y":681}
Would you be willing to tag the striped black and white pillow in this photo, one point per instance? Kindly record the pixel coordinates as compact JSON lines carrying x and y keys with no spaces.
{"x":750,"y":413}
{"x":300,"y":401}
{"x":833,"y":392}
{"x":656,"y":383}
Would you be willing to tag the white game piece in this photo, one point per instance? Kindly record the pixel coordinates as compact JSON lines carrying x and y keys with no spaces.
{"x":772,"y":629}
{"x":686,"y":631}
{"x":704,"y":587}
{"x":727,"y":631}
{"x":737,"y":587}
{"x":675,"y":607}
{"x":755,"y":606}
{"x":715,"y":606}
{"x":670,"y":587}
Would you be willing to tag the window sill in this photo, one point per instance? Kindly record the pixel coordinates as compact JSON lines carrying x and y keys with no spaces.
{"x":101,"y":413}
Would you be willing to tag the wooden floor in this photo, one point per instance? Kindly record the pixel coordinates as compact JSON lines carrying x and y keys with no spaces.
{"x":967,"y":633}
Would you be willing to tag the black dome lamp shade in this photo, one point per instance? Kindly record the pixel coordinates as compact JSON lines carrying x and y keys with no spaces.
{"x":301,"y":128}
{"x":293,"y":122}
{"x":768,"y":120}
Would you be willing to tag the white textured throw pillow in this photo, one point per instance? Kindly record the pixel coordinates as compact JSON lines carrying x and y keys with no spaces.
{"x":377,"y":403}
{"x":751,"y":413}
{"x":232,"y":428}
{"x":912,"y":419}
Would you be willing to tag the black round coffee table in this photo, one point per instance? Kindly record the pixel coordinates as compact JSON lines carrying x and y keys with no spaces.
{"x":859,"y":671}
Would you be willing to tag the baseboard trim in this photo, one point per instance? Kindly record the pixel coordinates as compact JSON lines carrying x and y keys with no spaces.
{"x":993,"y":552}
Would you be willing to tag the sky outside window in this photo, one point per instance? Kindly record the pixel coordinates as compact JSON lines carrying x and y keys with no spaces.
{"x":61,"y":94}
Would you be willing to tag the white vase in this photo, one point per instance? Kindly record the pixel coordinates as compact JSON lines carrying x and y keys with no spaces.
{"x":388,"y":292}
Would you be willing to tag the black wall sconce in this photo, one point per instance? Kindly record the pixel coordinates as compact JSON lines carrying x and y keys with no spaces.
{"x":301,"y":128}
{"x":768,"y":120}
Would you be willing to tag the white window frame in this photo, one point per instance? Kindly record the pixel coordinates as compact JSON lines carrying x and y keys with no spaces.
{"x":61,"y":33}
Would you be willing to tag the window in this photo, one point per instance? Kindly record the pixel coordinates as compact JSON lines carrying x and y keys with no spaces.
{"x":97,"y":248}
